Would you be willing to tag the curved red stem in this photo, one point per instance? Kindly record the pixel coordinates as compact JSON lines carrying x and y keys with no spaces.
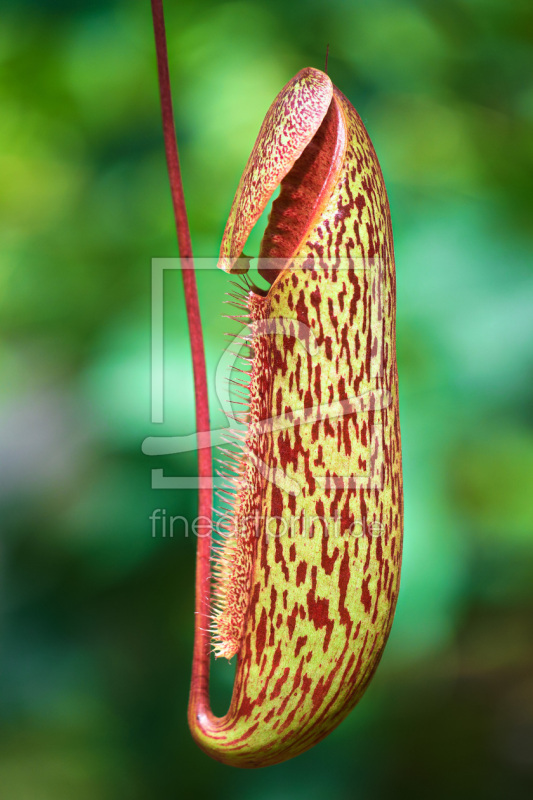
{"x":199,"y":697}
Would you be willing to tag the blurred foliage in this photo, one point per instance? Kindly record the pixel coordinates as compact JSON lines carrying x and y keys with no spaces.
{"x":96,"y":614}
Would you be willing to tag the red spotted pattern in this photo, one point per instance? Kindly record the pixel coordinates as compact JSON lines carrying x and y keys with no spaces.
{"x":310,"y":584}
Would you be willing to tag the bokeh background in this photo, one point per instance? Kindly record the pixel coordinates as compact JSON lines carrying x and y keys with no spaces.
{"x":96,"y":614}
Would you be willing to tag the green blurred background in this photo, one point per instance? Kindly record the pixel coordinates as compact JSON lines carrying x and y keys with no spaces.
{"x":96,"y":615}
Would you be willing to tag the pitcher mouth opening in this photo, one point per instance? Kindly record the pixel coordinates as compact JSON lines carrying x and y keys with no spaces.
{"x":303,"y":192}
{"x":299,"y":151}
